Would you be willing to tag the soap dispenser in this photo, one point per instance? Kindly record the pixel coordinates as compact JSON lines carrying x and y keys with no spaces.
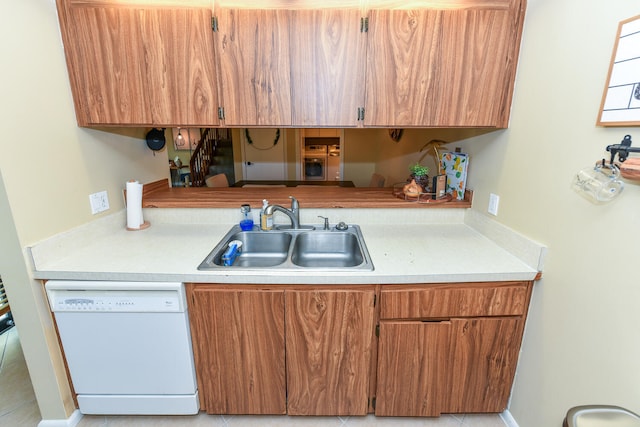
{"x":246,"y":221}
{"x":266,"y":221}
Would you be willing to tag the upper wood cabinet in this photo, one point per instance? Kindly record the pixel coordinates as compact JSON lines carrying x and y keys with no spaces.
{"x":290,"y":67}
{"x":327,"y":80}
{"x":449,"y":63}
{"x":443,"y":67}
{"x":139,"y":64}
{"x":254,"y":79}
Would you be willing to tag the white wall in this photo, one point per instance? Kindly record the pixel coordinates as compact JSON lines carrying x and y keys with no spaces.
{"x":582,"y":341}
{"x":49,"y":167}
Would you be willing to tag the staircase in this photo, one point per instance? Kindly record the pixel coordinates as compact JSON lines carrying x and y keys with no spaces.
{"x":213,"y":155}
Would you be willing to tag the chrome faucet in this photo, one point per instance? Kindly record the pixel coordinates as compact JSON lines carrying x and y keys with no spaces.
{"x":293,"y":213}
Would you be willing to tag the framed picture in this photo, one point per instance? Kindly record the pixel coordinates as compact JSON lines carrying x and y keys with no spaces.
{"x":620,"y":104}
{"x":186,"y":138}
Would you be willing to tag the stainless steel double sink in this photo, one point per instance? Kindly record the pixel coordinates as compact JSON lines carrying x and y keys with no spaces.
{"x":303,"y":249}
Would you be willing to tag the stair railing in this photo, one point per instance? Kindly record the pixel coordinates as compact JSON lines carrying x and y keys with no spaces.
{"x":202,"y":157}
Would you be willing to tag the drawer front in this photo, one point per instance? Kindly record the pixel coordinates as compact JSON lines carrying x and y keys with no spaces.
{"x":454,"y":300}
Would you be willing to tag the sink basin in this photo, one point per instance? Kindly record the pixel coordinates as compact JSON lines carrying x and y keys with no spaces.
{"x":259,"y":249}
{"x":303,"y":249}
{"x":327,"y":249}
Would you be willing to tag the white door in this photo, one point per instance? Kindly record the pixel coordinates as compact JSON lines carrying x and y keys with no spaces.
{"x":263,"y":154}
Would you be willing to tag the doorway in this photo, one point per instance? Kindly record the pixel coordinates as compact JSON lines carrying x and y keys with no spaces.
{"x":263,"y":155}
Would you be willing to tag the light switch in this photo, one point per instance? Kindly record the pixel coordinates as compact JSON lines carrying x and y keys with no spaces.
{"x":494,"y":201}
{"x":99,"y":202}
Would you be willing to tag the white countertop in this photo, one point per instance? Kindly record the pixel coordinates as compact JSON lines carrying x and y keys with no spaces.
{"x":405,"y":245}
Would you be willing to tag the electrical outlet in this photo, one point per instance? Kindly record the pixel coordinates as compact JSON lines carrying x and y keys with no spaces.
{"x":494,"y":201}
{"x":99,"y":202}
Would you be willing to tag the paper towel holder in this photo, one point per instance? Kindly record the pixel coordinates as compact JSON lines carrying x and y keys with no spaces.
{"x":145,"y":224}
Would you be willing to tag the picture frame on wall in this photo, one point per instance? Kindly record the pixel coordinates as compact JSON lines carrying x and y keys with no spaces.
{"x":620,"y":104}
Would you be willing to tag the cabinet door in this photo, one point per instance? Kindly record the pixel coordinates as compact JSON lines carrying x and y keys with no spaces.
{"x":327,"y":67}
{"x":238,"y":340}
{"x":329,"y":336}
{"x":139,"y":64}
{"x":448,"y":67}
{"x":483,"y":359}
{"x":412,"y":368}
{"x":456,"y":366}
{"x":253,"y":50}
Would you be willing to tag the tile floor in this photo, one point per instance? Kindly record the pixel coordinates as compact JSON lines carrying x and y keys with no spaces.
{"x":18,"y":407}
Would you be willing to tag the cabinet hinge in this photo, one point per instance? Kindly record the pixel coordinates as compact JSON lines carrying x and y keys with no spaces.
{"x":364,"y":24}
{"x":360,"y":113}
{"x":378,"y":330}
{"x":214,"y":24}
{"x":221,"y":113}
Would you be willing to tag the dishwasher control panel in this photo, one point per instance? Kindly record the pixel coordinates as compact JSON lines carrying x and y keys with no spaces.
{"x":71,"y":301}
{"x":115,"y":300}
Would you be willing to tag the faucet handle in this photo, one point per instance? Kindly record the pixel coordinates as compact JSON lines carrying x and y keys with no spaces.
{"x":294,"y":203}
{"x":326,"y":222}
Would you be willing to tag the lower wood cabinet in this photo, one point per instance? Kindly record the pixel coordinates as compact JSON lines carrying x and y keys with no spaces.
{"x":314,"y":350}
{"x":450,"y":348}
{"x":329,"y":335}
{"x":238,"y":346}
{"x":301,"y":351}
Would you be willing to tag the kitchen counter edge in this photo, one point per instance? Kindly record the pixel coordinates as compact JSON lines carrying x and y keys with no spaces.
{"x":464,"y":245}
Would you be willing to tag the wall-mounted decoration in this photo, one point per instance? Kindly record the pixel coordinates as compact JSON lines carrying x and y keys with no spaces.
{"x":621,"y":100}
{"x":267,"y":147}
{"x":186,"y":138}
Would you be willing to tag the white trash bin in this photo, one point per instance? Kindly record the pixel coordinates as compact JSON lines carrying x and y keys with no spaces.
{"x":601,"y":416}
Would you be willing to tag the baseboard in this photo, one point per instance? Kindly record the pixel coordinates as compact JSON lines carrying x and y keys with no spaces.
{"x":508,"y":419}
{"x":72,"y":421}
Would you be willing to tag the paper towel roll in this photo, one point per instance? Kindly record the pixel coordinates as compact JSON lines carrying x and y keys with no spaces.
{"x":134,"y":205}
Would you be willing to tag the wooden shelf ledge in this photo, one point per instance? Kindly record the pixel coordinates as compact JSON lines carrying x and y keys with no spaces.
{"x":158,"y":194}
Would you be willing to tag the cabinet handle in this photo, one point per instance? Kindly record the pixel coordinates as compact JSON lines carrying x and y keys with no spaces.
{"x":364,"y":24}
{"x":436,"y":321}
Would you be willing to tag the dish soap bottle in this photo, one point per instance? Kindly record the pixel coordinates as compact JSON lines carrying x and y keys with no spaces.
{"x":246,"y":222}
{"x":266,"y":221}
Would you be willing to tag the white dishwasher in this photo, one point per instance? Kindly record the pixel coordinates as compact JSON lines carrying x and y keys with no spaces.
{"x":127,"y":346}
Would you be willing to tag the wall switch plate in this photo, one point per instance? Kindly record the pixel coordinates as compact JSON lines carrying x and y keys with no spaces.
{"x":494,"y":201}
{"x":99,"y":202}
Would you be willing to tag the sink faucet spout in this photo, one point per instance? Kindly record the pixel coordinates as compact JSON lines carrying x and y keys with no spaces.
{"x":293,"y":213}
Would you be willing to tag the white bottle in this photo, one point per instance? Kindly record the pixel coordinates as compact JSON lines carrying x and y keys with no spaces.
{"x":266,"y":221}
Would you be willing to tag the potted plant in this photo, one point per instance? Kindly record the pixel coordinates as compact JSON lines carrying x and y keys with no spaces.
{"x":420,"y":174}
